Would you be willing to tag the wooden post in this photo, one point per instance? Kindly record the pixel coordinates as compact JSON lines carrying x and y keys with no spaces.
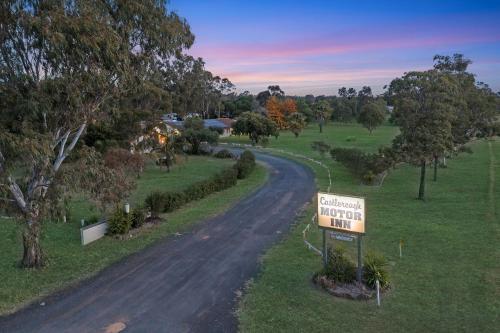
{"x":325,"y":252}
{"x":360,"y":264}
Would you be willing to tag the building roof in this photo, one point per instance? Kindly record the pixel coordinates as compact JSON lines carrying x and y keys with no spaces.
{"x":215,"y":123}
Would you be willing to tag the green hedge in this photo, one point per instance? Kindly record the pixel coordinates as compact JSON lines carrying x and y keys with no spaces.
{"x":245,"y":164}
{"x":363,"y":165}
{"x":169,"y":201}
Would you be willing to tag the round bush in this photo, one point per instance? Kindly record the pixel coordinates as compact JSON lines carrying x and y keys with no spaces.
{"x":224,"y":153}
{"x":339,"y":267}
{"x":119,"y":223}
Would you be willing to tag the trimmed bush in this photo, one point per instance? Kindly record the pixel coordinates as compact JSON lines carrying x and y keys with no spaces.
{"x":167,"y":202}
{"x":339,"y":268}
{"x":119,"y":223}
{"x":245,"y":164}
{"x":155,"y":202}
{"x":138,"y":216}
{"x":374,"y":268}
{"x":224,"y":153}
{"x":172,"y":201}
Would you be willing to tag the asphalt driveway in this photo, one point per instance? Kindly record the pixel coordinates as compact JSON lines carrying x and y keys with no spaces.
{"x":186,"y":283}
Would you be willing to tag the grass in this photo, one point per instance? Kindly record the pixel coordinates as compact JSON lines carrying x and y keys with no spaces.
{"x":69,"y":262}
{"x":448,"y":277}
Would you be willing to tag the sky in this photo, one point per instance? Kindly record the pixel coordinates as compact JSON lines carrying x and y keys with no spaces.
{"x":317,"y":46}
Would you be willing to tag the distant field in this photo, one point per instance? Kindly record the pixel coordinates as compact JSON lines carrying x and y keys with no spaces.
{"x":448,"y":279}
{"x":68,"y":261}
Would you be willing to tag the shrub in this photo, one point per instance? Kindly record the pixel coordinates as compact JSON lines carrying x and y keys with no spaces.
{"x":92,"y":220}
{"x":365,"y":166}
{"x":172,"y":200}
{"x":138,"y":216}
{"x":119,"y":223}
{"x":155,"y":202}
{"x":224,"y":153}
{"x":374,"y":268}
{"x":245,"y":164}
{"x":118,"y":158}
{"x":339,"y":268}
{"x":350,"y":139}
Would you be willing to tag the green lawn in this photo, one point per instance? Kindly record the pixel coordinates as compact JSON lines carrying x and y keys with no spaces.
{"x":449,"y":277}
{"x":68,"y":261}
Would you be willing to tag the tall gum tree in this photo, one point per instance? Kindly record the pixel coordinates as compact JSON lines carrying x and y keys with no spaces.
{"x":59,"y":62}
{"x":424,"y":108}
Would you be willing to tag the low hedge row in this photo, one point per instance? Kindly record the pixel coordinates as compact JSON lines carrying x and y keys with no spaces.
{"x":364,"y":165}
{"x":164,"y":202}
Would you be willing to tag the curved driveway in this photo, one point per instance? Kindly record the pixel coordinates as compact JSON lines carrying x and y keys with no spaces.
{"x":181,"y":284}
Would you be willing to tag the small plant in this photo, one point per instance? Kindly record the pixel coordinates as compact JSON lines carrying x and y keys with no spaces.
{"x":155,"y":203}
{"x":339,"y":268}
{"x":224,"y":153}
{"x":350,"y":139}
{"x":119,"y":223}
{"x":92,"y":220}
{"x":138,"y":216}
{"x":375,"y":269}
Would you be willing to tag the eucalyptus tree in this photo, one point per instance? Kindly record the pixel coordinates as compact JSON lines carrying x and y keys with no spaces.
{"x":60,"y":63}
{"x":372,"y":115}
{"x":424,"y":108}
{"x":322,"y":111}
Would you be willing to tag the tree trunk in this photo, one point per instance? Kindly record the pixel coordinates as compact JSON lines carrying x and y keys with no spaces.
{"x":33,"y":256}
{"x":436,"y":161}
{"x":421,"y":189}
{"x":321,"y":127}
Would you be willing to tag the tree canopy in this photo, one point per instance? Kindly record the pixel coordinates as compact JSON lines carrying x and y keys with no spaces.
{"x":255,"y":126}
{"x":64,"y":65}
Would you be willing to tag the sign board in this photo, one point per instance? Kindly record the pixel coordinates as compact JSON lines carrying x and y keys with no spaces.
{"x":93,"y":232}
{"x":342,"y":236}
{"x":341,"y":213}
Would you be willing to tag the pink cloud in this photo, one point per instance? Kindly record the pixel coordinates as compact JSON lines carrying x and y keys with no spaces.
{"x":321,"y":47}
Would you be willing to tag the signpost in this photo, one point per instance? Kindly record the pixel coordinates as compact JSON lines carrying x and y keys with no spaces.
{"x":346,"y":216}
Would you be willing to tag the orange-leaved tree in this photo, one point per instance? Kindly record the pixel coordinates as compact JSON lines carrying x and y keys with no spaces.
{"x":278,"y":110}
{"x":274,"y":112}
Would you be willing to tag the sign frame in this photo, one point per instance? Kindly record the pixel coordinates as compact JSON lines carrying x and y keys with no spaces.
{"x":358,"y":235}
{"x":343,"y":230}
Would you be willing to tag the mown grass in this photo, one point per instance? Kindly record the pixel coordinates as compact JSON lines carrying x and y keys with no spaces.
{"x":448,"y":277}
{"x":69,"y":262}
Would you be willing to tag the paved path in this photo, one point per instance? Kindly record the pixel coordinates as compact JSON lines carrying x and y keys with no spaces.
{"x":182,"y":284}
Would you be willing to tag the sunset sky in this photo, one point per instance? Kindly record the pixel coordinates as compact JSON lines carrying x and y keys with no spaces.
{"x":315,"y":47}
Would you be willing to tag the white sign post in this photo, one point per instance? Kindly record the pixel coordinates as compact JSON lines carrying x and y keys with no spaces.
{"x":345,"y":214}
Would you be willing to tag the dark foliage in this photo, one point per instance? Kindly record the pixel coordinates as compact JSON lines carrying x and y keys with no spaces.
{"x":224,"y":153}
{"x":119,"y":223}
{"x":245,"y":164}
{"x":363,"y":165}
{"x":339,"y":268}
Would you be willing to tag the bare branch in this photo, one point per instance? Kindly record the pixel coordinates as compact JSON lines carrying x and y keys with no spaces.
{"x":64,"y":152}
{"x":18,"y":195}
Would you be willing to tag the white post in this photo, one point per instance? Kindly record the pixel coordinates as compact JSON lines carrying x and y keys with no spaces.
{"x":82,"y":222}
{"x":401,"y":248}
{"x":378,"y":292}
{"x":127,"y":208}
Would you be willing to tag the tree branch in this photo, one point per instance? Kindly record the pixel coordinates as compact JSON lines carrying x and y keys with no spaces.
{"x":18,"y":195}
{"x":64,"y":151}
